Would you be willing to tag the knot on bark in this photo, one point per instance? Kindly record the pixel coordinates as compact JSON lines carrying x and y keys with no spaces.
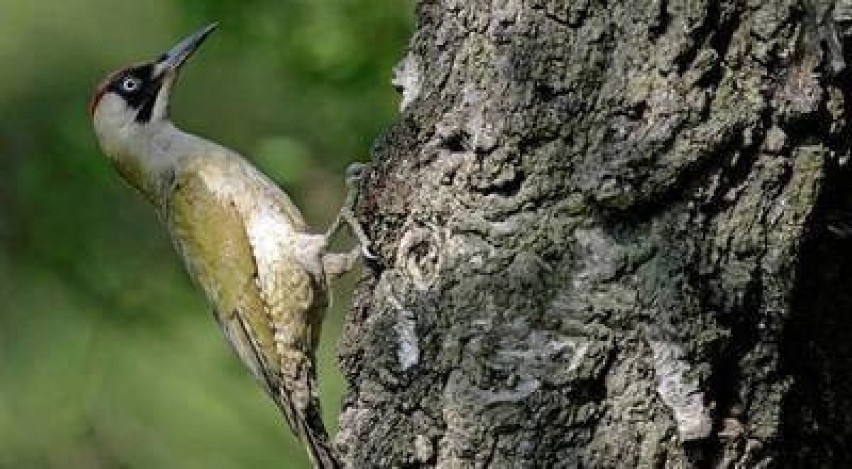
{"x":419,"y":255}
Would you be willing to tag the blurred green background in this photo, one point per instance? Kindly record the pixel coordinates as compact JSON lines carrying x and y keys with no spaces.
{"x":109,"y":357}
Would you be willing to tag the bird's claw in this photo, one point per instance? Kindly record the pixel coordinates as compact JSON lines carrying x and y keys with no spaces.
{"x":358,"y":231}
{"x":355,"y":172}
{"x":367,"y":254}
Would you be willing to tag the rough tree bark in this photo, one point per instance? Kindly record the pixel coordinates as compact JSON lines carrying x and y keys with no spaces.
{"x":608,"y":236}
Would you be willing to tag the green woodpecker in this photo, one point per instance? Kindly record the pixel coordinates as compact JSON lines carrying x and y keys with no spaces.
{"x":242,"y":239}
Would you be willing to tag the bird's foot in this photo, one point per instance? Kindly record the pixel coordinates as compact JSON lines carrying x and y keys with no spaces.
{"x":353,"y":176}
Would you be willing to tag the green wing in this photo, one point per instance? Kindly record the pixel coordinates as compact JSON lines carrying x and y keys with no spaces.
{"x":266,"y":301}
{"x":211,"y":236}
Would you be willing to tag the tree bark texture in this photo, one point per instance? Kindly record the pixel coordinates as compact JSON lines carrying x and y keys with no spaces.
{"x":609,"y":234}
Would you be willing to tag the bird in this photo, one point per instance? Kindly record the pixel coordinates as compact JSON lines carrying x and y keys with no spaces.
{"x":241,"y":238}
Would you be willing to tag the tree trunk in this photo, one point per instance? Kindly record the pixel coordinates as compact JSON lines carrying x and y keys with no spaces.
{"x":609,"y":235}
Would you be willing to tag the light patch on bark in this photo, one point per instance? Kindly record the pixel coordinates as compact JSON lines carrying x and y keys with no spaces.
{"x":679,"y":392}
{"x":600,"y":257}
{"x":405,"y":328}
{"x":424,"y":451}
{"x":471,"y":119}
{"x":407,"y":80}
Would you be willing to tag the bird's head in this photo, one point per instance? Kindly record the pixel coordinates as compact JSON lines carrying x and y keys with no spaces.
{"x":133,"y":100}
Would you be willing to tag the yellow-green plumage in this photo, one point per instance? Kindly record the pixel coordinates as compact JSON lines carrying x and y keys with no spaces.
{"x":236,"y":233}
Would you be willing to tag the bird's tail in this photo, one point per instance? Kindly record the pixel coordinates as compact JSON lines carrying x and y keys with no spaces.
{"x":301,"y":408}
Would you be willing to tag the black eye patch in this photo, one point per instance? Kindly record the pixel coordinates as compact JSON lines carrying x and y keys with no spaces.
{"x":138,"y":87}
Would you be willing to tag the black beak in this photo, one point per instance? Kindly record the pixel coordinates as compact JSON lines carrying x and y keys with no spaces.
{"x":172,"y":60}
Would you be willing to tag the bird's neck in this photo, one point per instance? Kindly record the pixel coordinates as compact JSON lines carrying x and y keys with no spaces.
{"x":153,"y":157}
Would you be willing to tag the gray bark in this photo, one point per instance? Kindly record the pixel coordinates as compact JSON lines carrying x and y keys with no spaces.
{"x":609,"y":235}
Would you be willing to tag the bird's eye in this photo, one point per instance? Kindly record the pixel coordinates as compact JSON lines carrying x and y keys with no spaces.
{"x":130,"y":84}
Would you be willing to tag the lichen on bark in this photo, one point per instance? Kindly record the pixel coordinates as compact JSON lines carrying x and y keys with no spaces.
{"x":599,"y":227}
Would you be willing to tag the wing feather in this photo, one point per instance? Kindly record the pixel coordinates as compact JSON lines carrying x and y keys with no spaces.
{"x":211,"y":236}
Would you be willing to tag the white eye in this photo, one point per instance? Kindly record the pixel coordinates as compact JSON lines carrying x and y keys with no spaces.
{"x":130,"y":84}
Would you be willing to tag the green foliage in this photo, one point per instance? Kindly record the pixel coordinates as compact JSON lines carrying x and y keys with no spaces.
{"x":108,"y":356}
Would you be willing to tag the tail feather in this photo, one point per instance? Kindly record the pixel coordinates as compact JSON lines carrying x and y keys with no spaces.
{"x":309,"y":428}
